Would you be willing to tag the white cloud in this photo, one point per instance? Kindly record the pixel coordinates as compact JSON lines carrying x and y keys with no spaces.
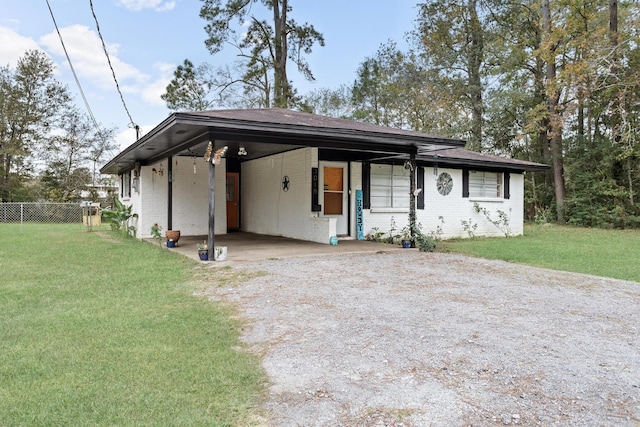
{"x":128,"y":136}
{"x":157,"y":5}
{"x":88,"y":58}
{"x":13,"y":46}
{"x":151,"y":93}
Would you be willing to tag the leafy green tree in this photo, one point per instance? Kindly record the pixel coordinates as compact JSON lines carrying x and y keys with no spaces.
{"x":60,"y":184}
{"x":191,"y":88}
{"x":30,"y":102}
{"x":270,"y":45}
{"x":329,"y":102}
{"x":451,"y":37}
{"x":395,"y":88}
{"x":374,"y":93}
{"x":75,"y":144}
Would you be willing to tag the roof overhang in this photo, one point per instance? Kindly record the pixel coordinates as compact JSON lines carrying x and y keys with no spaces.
{"x":266,"y":132}
{"x":460,"y":158}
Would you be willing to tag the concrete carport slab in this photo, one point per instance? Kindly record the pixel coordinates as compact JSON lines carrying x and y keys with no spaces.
{"x":245,"y":247}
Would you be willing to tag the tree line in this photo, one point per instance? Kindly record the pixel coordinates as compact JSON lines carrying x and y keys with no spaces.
{"x":554,"y":82}
{"x":49,"y":150}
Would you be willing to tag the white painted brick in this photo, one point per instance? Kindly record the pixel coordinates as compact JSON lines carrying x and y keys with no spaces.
{"x":267,"y":209}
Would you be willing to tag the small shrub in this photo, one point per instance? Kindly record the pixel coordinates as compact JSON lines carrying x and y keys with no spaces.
{"x":437,"y":234}
{"x":503,"y":221}
{"x":425,"y":243}
{"x":120,"y":217}
{"x":469,"y":227}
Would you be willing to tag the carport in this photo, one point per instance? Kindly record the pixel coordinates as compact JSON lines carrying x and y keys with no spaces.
{"x":253,"y":135}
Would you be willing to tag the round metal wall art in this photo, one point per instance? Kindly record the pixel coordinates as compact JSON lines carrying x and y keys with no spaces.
{"x":444,"y":184}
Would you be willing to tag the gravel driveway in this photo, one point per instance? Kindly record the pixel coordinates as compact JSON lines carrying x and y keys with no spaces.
{"x":420,"y":339}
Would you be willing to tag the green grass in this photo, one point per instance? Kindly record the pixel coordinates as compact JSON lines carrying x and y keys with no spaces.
{"x":101,"y":331}
{"x":607,"y":253}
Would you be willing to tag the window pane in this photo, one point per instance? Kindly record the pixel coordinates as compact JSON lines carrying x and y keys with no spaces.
{"x":485,"y":184}
{"x":333,"y":203}
{"x":333,"y":179}
{"x":389,"y":186}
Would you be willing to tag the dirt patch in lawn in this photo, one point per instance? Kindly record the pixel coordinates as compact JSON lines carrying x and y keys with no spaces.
{"x":415,"y":339}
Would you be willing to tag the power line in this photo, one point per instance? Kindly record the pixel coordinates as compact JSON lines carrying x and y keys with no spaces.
{"x":75,"y":76}
{"x":113,"y":73}
{"x":73,"y":71}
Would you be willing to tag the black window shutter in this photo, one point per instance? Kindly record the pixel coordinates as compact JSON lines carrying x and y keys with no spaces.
{"x":121,"y":186}
{"x":507,"y":185}
{"x":465,"y":183}
{"x":420,"y":185}
{"x":366,"y":185}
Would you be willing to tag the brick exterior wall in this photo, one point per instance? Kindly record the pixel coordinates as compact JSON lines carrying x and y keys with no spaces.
{"x":453,"y":209}
{"x":267,"y":209}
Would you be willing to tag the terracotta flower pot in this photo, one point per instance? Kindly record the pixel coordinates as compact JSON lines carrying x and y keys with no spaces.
{"x":173,"y":235}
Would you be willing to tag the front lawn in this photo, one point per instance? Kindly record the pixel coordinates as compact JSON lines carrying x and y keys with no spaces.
{"x":608,"y":253}
{"x":102,"y":331}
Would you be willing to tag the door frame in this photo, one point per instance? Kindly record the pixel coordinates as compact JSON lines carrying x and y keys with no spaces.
{"x":343,"y":222}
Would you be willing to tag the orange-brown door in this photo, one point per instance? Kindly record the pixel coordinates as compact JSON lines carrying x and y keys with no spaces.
{"x":233,"y":201}
{"x":333,"y":181}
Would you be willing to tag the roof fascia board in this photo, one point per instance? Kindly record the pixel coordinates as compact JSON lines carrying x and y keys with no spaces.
{"x":166,"y":123}
{"x":482,"y":164}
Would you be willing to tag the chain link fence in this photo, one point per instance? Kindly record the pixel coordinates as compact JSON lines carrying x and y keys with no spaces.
{"x":46,"y":213}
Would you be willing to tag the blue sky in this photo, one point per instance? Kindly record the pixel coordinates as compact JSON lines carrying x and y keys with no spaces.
{"x":147,"y":39}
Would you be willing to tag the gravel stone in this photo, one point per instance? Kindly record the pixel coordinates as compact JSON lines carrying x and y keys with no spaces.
{"x":429,"y":339}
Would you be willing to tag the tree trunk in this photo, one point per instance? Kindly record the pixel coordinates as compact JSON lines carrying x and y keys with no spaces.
{"x":555,"y":122}
{"x":5,"y":186}
{"x":280,"y":80}
{"x":474,"y":60}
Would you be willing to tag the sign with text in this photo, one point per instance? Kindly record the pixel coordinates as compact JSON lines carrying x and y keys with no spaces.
{"x":359,"y":216}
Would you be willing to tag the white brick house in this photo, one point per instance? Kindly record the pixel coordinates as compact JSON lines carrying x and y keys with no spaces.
{"x":311,"y":177}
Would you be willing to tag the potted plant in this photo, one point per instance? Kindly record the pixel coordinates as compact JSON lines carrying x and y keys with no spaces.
{"x":172,"y":235}
{"x":203,"y":251}
{"x":405,"y":237}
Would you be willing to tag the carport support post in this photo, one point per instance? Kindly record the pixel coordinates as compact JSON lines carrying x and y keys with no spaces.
{"x":412,"y":198}
{"x":212,"y":211}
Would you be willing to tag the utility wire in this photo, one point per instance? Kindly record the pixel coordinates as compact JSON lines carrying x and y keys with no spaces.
{"x":75,"y":76}
{"x":113,"y":73}
{"x":73,"y":71}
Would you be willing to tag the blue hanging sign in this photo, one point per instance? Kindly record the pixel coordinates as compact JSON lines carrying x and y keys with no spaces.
{"x":359,"y":216}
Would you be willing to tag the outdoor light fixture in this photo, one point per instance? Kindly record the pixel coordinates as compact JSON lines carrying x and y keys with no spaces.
{"x":408,"y":165}
{"x":242,"y":152}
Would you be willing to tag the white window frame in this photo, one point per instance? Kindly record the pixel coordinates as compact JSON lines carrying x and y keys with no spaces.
{"x":390,"y":186}
{"x":484,"y":184}
{"x":126,"y":185}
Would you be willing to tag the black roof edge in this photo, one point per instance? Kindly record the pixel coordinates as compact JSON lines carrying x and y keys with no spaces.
{"x":484,"y":164}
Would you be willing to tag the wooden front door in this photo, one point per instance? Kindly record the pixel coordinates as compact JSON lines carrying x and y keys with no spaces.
{"x":335,"y":195}
{"x":233,"y":201}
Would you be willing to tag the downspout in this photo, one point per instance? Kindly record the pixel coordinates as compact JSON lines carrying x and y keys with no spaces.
{"x":170,"y":194}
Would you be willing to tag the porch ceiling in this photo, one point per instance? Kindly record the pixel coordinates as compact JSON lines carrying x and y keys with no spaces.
{"x":265,"y":132}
